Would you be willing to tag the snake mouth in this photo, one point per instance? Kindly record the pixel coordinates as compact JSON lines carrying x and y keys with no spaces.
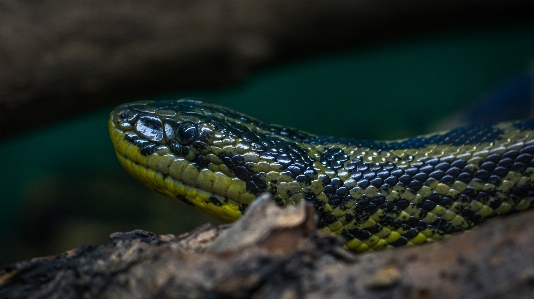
{"x":195,"y":177}
{"x":222,"y":208}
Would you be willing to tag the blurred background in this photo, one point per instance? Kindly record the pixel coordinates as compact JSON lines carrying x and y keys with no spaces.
{"x":357,"y":70}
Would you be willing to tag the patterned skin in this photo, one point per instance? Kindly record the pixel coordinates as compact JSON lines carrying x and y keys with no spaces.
{"x":375,"y":194}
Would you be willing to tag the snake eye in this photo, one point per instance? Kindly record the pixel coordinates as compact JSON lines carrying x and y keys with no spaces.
{"x":187,"y":133}
{"x":150,"y":127}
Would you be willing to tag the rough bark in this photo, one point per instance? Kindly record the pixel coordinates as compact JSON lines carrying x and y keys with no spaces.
{"x":275,"y":253}
{"x":60,"y":58}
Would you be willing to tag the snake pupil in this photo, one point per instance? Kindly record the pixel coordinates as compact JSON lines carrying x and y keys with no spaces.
{"x":187,"y":133}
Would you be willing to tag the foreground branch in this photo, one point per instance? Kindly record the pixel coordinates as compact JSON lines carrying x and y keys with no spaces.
{"x":277,"y":253}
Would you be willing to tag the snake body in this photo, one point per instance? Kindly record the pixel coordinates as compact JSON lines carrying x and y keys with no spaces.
{"x":375,"y":194}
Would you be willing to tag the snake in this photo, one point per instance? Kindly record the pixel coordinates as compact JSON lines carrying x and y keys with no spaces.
{"x":373,"y":194}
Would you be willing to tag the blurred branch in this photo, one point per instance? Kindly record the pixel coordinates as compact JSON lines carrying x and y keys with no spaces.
{"x":60,"y":58}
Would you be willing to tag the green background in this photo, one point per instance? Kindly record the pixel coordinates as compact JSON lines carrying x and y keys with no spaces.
{"x":61,"y":186}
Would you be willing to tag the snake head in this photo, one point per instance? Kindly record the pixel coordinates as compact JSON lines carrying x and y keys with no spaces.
{"x":208,"y":156}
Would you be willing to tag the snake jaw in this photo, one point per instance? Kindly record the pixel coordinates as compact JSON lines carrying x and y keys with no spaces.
{"x":376,"y":194}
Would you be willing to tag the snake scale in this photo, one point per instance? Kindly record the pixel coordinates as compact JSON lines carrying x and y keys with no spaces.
{"x":375,"y":194}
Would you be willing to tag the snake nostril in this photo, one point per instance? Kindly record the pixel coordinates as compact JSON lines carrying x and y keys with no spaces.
{"x":128,"y":115}
{"x":125,"y":118}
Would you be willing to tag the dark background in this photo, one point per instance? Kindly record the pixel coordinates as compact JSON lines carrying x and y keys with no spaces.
{"x":61,"y":186}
